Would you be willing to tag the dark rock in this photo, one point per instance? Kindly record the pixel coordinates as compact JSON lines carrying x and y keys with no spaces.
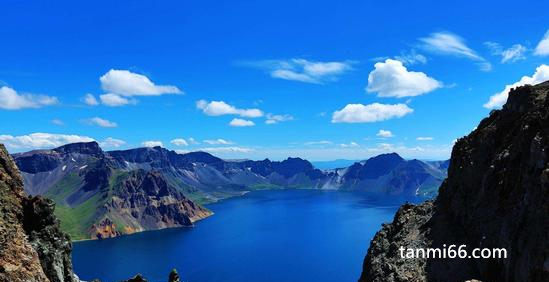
{"x":32,"y":247}
{"x":496,"y":196}
{"x":84,"y":148}
{"x":174,"y":276}
{"x":137,"y":278}
{"x":35,"y":163}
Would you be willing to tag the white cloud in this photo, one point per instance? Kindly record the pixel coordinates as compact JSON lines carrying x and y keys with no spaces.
{"x":424,"y":138}
{"x":509,"y":55}
{"x":152,"y":143}
{"x":238,"y":122}
{"x":227,"y":149}
{"x":180,"y":142}
{"x":273,"y":119}
{"x":447,"y":43}
{"x":304,"y":70}
{"x":57,"y":121}
{"x":392,"y":79}
{"x":218,"y":141}
{"x":542,"y":49}
{"x":41,"y":140}
{"x":90,"y":100}
{"x":349,"y":145}
{"x":321,"y":142}
{"x":384,"y":133}
{"x":110,"y":142}
{"x":126,"y":83}
{"x":410,"y":58}
{"x":358,"y":113}
{"x":497,"y":100}
{"x":192,"y":141}
{"x":114,"y":100}
{"x":11,"y":100}
{"x":219,"y":108}
{"x":97,"y":121}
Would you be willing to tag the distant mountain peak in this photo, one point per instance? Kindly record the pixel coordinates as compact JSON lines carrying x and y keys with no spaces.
{"x":388,"y":156}
{"x":85,"y":148}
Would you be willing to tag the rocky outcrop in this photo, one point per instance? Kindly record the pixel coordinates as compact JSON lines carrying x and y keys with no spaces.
{"x":143,"y":200}
{"x":105,"y":229}
{"x":32,"y":247}
{"x":496,"y":196}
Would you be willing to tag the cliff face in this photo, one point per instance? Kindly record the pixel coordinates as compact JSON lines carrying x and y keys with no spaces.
{"x":145,"y":201}
{"x":32,"y":247}
{"x":496,"y":196}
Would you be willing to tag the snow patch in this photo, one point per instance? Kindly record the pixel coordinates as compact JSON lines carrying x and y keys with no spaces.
{"x":64,"y":167}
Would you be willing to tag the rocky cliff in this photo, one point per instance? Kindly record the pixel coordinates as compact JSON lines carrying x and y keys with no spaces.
{"x":32,"y":247}
{"x":496,"y":196}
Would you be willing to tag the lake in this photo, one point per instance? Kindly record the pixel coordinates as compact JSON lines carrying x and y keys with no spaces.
{"x":264,"y":236}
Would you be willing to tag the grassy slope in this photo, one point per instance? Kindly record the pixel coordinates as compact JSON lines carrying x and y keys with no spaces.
{"x":77,"y":220}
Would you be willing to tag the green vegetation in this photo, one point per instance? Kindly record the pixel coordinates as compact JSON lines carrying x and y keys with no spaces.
{"x":77,"y":220}
{"x":264,"y":186}
{"x":66,"y":186}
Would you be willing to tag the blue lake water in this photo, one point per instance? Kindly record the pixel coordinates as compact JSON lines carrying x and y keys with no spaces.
{"x":264,"y":236}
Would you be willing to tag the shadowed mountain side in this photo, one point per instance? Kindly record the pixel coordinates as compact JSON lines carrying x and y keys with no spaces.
{"x":496,"y":196}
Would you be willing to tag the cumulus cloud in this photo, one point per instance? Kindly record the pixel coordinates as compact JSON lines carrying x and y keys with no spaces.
{"x":152,"y":143}
{"x":11,"y":100}
{"x":238,"y":122}
{"x":384,"y":133}
{"x":359,"y":113}
{"x":219,"y":108}
{"x":392,"y":79}
{"x":273,"y":119}
{"x":447,"y":43}
{"x":180,"y":142}
{"x":542,"y":49}
{"x":97,"y":121}
{"x":41,"y":140}
{"x":509,"y":55}
{"x":540,"y":75}
{"x":121,"y":85}
{"x":424,"y":138}
{"x":126,"y":83}
{"x":114,"y":100}
{"x":90,"y":100}
{"x":110,"y":142}
{"x":304,"y":70}
{"x":218,"y":141}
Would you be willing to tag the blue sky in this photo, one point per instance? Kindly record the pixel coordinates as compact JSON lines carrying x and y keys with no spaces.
{"x":255,"y":79}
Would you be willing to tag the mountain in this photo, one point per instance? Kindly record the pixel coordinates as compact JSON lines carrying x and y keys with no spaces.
{"x":98,"y":197}
{"x":339,"y":163}
{"x":105,"y":194}
{"x":496,"y":196}
{"x":391,"y":174}
{"x":32,"y":246}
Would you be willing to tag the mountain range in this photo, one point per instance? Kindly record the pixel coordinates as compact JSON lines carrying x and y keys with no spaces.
{"x":103,"y":194}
